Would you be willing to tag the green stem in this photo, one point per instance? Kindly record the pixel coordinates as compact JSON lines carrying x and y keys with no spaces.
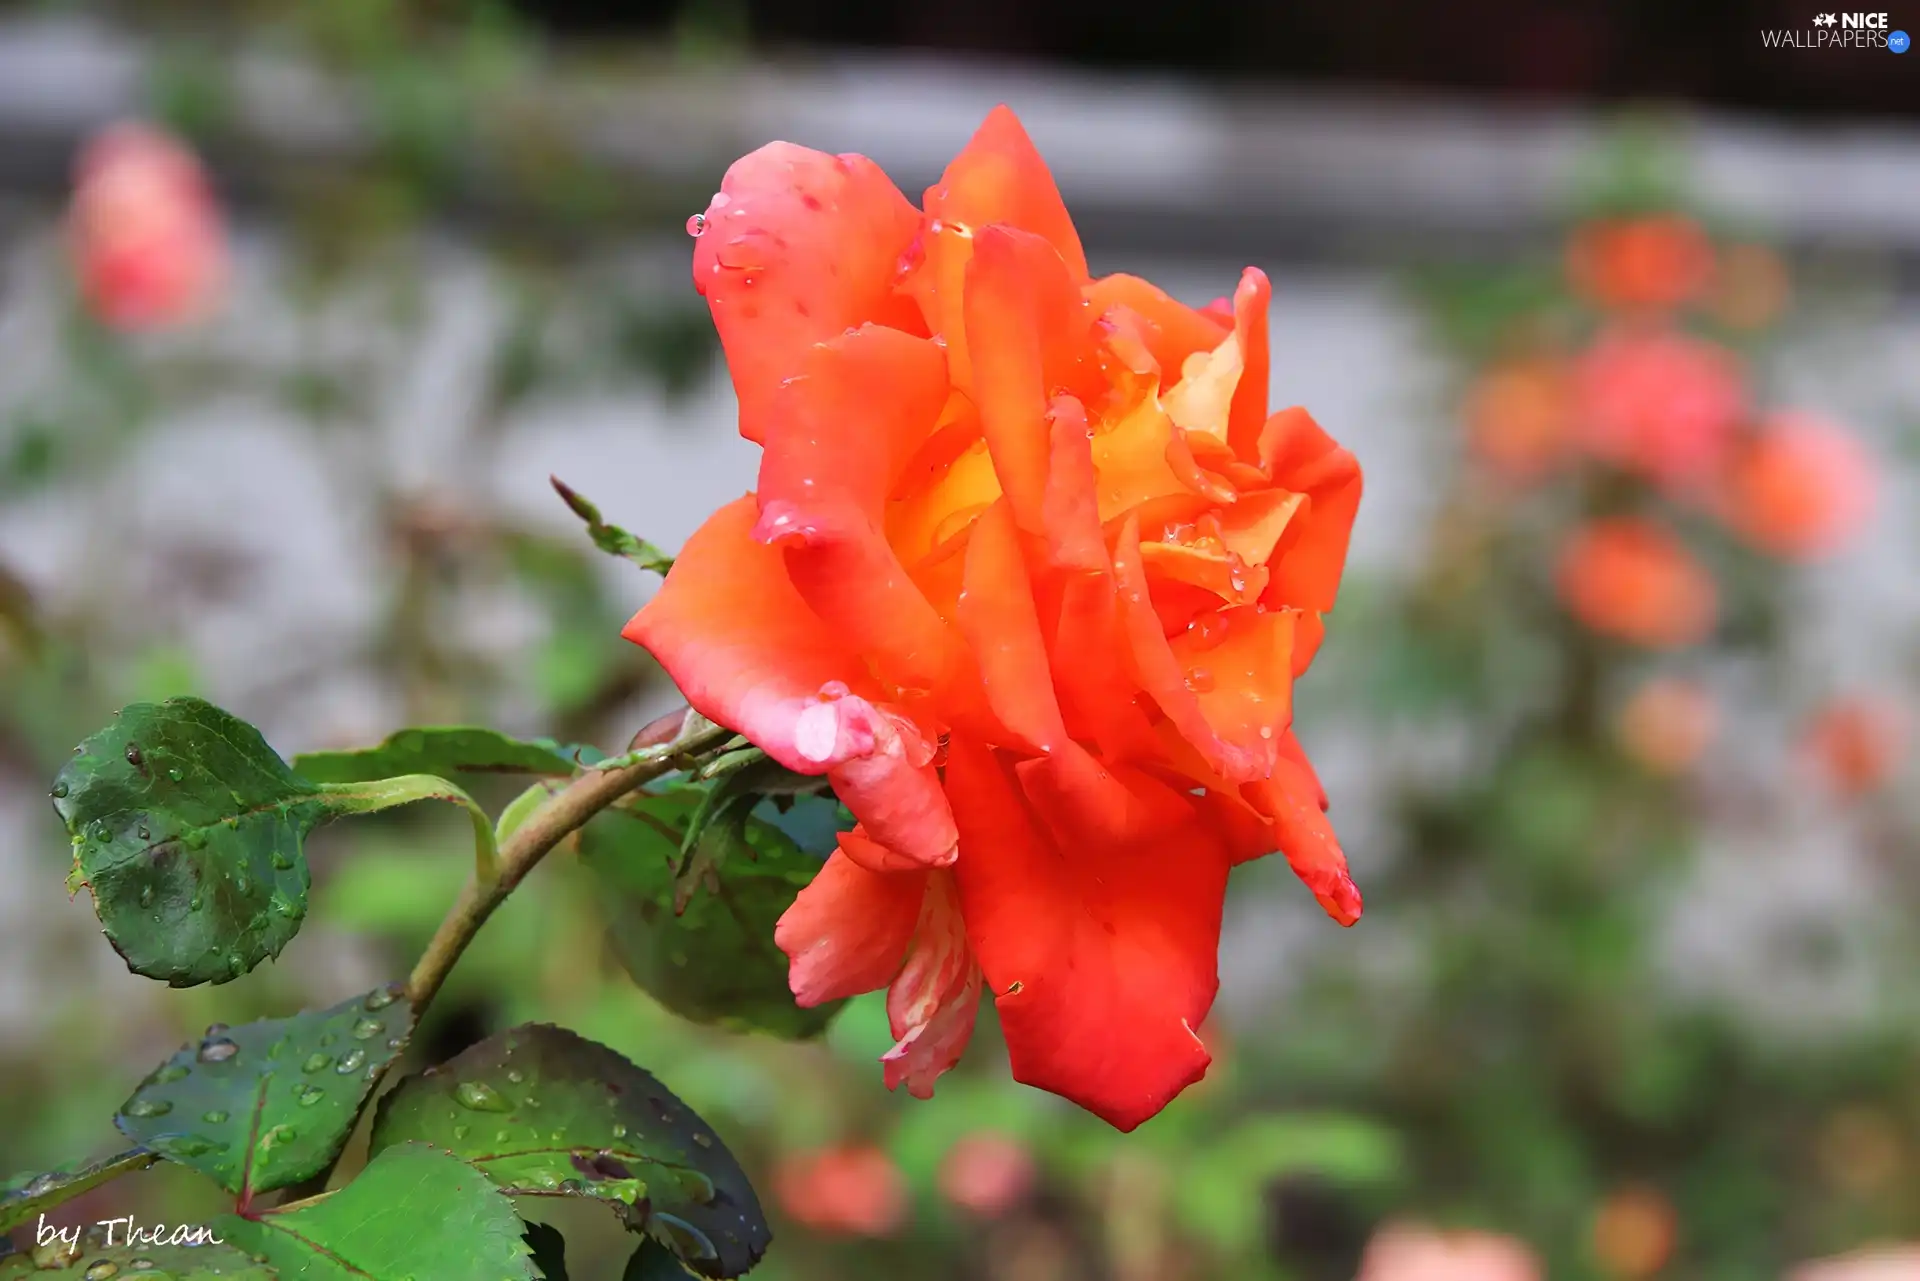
{"x":387,"y":793}
{"x":538,"y":832}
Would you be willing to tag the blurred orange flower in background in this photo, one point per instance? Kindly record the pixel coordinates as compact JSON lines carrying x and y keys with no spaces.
{"x":1856,"y":744}
{"x":1801,"y":488}
{"x":1029,"y":574}
{"x":987,"y":1173}
{"x":1751,"y":287}
{"x":855,"y":1190}
{"x":1668,"y":724}
{"x":1519,"y":417}
{"x":147,"y":240}
{"x":1661,"y":404}
{"x":1631,"y":579}
{"x":1657,"y":261}
{"x":1634,"y":1233}
{"x":1411,"y":1253}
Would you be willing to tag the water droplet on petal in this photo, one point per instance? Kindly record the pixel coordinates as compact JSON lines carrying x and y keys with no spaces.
{"x":217,"y":1050}
{"x":480,"y":1097}
{"x":696,"y":224}
{"x":1200,"y":680}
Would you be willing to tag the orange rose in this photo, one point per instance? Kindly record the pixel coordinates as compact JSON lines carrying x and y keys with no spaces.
{"x":1659,"y":261}
{"x":1801,"y":489}
{"x":1660,"y":404}
{"x":1632,"y":580}
{"x":146,"y":235}
{"x":850,"y":1191}
{"x":1029,"y":574}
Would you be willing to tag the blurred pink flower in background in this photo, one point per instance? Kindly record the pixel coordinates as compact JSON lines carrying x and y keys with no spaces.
{"x":1410,"y":1253}
{"x":987,"y":1173}
{"x":1801,"y":488}
{"x":1883,"y":1263}
{"x":147,"y":238}
{"x":1668,"y":724}
{"x":854,"y":1190}
{"x":1660,"y":404}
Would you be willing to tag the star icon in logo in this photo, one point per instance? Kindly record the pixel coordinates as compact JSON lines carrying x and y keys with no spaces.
{"x":1825,"y":20}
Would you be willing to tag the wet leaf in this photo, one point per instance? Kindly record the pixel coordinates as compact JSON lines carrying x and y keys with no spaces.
{"x":144,"y":1260}
{"x":549,"y":1251}
{"x":653,"y":1262}
{"x":267,"y":1104}
{"x":412,"y":1214}
{"x":445,"y":750}
{"x":188,"y":828}
{"x":545,"y":1112}
{"x":702,"y":943}
{"x":26,"y":1195}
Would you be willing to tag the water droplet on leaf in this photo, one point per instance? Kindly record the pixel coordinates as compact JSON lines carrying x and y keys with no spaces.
{"x":175,"y":775}
{"x":380,"y":999}
{"x":309,"y":1095}
{"x":367,"y":1029}
{"x":106,"y":1267}
{"x":316,"y":1062}
{"x":170,"y":1073}
{"x":134,"y":758}
{"x":351,"y":1061}
{"x":280,"y":861}
{"x":686,"y":1240}
{"x":214,"y":1117}
{"x":480,"y":1097}
{"x":149,"y":1107}
{"x":59,"y":791}
{"x":516,"y":1075}
{"x":217,"y":1050}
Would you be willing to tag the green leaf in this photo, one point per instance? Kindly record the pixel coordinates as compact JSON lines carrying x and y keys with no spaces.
{"x":445,"y":749}
{"x":96,"y":1259}
{"x":545,"y":1112}
{"x":268,"y":1104}
{"x":26,"y":1195}
{"x":412,"y":1214}
{"x":714,"y":962}
{"x":1218,"y":1196}
{"x":612,"y":539}
{"x":652,"y":1262}
{"x":188,"y":830}
{"x":549,"y":1251}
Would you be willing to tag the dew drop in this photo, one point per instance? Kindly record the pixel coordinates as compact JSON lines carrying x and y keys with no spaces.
{"x":310,"y":1095}
{"x":703,"y":1140}
{"x":149,"y":1107}
{"x":134,"y":758}
{"x":380,"y":999}
{"x":197,"y":902}
{"x":572,"y":1187}
{"x":317,"y":1063}
{"x":59,"y":791}
{"x":280,"y":861}
{"x":619,"y":1130}
{"x":516,"y":1075}
{"x":145,"y":835}
{"x":351,"y":1062}
{"x":696,"y":224}
{"x":146,"y":896}
{"x":278,"y":1136}
{"x":367,"y":1029}
{"x":141,"y":1264}
{"x":217,"y":1050}
{"x":460,"y":1132}
{"x":1200,"y":680}
{"x":106,"y":1267}
{"x":397,"y":1043}
{"x":175,"y":775}
{"x":170,"y":1073}
{"x":214,"y":1117}
{"x":41,"y":1185}
{"x":480,"y":1097}
{"x":191,"y":1145}
{"x":242,"y":883}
